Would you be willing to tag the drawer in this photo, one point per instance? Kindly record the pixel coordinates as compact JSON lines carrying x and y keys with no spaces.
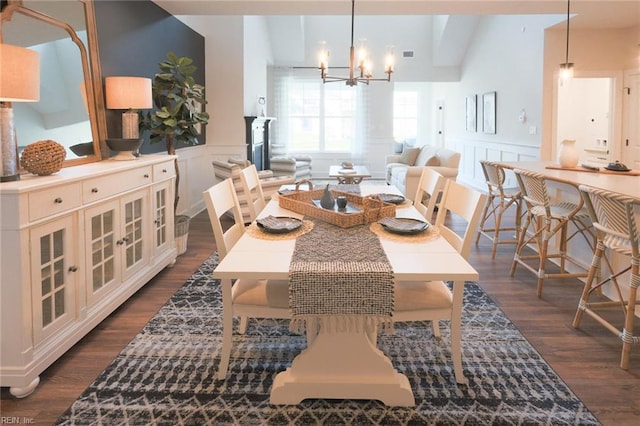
{"x":54,"y":200}
{"x":107,"y":186}
{"x":164,"y":171}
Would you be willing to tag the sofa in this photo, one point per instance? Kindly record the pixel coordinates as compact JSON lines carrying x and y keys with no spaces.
{"x":403,"y":170}
{"x":268,"y":181}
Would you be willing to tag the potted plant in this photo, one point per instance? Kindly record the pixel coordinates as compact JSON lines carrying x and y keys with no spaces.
{"x":177,"y":118}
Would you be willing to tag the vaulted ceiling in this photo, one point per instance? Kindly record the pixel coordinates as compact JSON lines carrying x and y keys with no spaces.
{"x":439,"y":29}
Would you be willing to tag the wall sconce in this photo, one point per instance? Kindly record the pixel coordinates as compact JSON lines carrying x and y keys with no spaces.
{"x":130,"y":93}
{"x":19,"y":82}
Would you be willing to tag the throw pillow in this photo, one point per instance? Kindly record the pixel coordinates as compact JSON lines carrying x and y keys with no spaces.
{"x":433,"y":161}
{"x":408,"y":143}
{"x":409,"y":156}
{"x":426,"y":152}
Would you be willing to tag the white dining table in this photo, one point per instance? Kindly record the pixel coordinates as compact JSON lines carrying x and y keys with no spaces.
{"x":347,"y":364}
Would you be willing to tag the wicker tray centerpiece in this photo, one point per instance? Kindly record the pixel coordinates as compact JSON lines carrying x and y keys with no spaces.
{"x":371,"y":208}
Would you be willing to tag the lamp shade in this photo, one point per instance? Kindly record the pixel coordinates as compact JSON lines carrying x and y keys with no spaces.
{"x":128,"y":93}
{"x":19,"y":74}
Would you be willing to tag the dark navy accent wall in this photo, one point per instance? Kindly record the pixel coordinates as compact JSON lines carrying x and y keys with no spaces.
{"x":133,"y":37}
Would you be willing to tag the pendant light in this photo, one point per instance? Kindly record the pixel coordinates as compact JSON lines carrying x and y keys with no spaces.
{"x":566,"y":68}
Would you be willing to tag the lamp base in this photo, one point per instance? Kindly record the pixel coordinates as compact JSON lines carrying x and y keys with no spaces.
{"x":124,"y":156}
{"x":9,"y":178}
{"x":126,"y":148}
{"x":8,"y":145}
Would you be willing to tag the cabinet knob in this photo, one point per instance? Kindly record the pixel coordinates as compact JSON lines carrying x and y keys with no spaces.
{"x":73,"y":268}
{"x":146,"y":175}
{"x":94,"y":190}
{"x":164,"y":170}
{"x":58,"y":200}
{"x":157,"y":221}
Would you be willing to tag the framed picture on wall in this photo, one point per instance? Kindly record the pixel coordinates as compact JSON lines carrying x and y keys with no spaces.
{"x":489,"y":113}
{"x":471,"y":114}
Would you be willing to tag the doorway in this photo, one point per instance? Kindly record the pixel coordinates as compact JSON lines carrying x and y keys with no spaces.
{"x":630,"y":149}
{"x":585,"y":111}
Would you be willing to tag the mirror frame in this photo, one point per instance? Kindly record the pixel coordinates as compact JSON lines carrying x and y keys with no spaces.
{"x":90,"y":66}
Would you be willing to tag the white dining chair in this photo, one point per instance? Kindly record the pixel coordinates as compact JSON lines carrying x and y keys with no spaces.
{"x":244,"y":298}
{"x":433,"y":300}
{"x":252,"y":190}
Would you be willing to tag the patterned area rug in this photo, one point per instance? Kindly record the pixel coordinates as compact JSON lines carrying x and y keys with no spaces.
{"x":166,"y":375}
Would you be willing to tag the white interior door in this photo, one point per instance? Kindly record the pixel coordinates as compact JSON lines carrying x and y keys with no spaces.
{"x":631,"y":120}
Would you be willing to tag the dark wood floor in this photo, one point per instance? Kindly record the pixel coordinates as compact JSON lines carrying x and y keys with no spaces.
{"x":586,"y":359}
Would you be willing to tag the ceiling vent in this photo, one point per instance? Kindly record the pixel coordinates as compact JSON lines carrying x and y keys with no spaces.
{"x":407,"y":54}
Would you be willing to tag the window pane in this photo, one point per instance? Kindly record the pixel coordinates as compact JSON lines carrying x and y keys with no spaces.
{"x":339,"y":117}
{"x":304,"y":133}
{"x":405,"y":114}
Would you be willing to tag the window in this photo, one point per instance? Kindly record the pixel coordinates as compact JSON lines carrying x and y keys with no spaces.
{"x":405,"y":114}
{"x":322,"y":117}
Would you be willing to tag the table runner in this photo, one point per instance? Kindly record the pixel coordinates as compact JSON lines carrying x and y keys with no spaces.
{"x":341,"y":278}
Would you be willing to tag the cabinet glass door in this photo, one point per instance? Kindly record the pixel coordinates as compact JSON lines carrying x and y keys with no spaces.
{"x":163,"y":217}
{"x":134,"y":241}
{"x":102,"y":256}
{"x":54,"y":271}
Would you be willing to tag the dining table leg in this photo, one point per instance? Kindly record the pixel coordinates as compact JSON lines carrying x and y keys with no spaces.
{"x":456,"y":331}
{"x":342,"y":365}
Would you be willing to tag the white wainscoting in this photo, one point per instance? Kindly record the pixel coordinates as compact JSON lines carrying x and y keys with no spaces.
{"x":475,"y":150}
{"x":196,"y":173}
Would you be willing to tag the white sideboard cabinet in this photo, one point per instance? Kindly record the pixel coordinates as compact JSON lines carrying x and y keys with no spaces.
{"x":74,"y":246}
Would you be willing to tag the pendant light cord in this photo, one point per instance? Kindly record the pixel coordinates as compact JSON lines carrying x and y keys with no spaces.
{"x":566,"y":57}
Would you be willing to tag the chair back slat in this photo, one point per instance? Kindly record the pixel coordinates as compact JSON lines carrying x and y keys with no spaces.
{"x":220,"y":199}
{"x":466,"y":203}
{"x":429,"y":189}
{"x":252,"y":190}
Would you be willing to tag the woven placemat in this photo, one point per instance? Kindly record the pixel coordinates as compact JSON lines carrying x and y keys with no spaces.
{"x":430,"y":234}
{"x":254,"y":231}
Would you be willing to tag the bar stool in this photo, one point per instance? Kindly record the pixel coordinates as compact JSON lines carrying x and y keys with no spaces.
{"x":544,"y":220}
{"x":500,"y":199}
{"x":614,"y":219}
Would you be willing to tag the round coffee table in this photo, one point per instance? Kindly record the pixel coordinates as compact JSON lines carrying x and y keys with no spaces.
{"x":349,"y":176}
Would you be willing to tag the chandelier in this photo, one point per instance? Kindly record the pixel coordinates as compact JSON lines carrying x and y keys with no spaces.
{"x":363,"y":75}
{"x":566,"y":68}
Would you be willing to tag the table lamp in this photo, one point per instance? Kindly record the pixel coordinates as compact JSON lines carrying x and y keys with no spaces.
{"x":131,"y":94}
{"x":19,"y":82}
